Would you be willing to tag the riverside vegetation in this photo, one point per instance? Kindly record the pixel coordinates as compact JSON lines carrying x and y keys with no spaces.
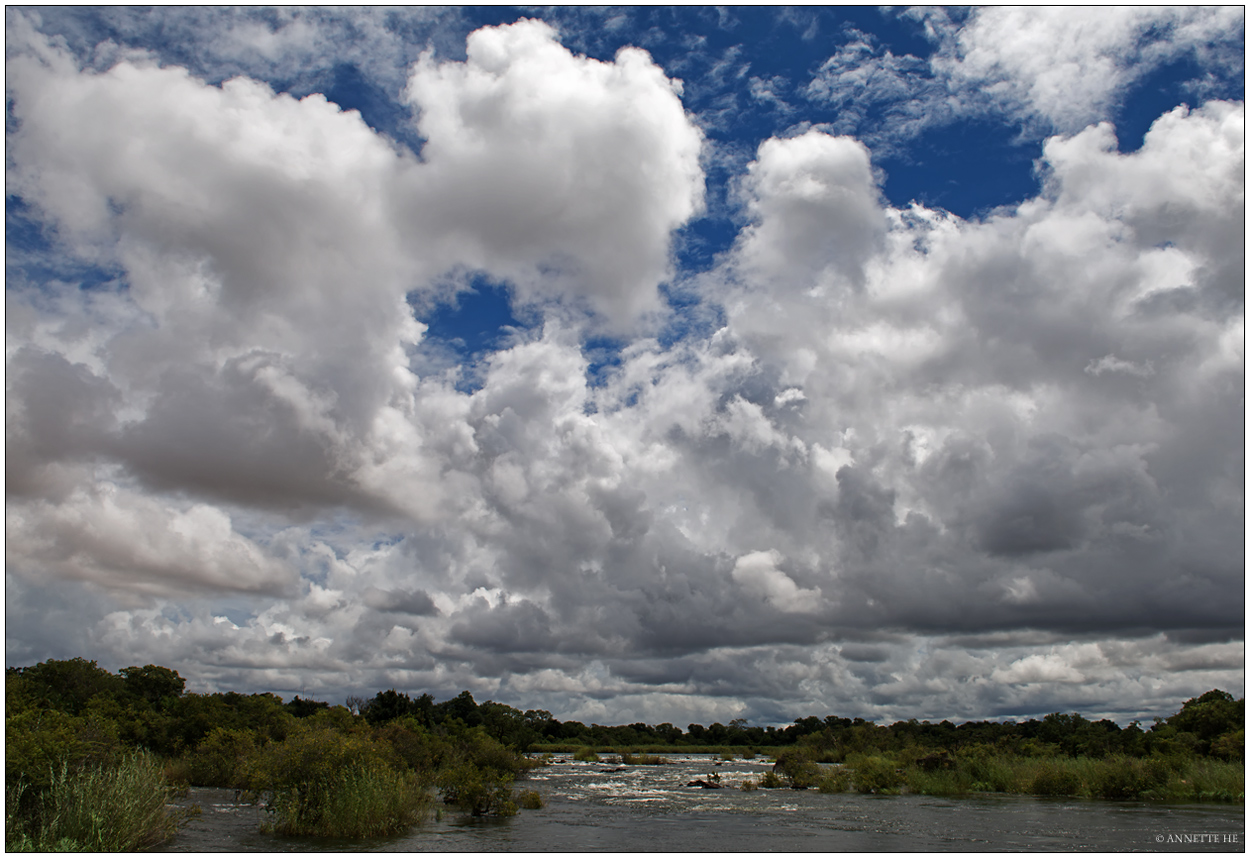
{"x":92,"y":758}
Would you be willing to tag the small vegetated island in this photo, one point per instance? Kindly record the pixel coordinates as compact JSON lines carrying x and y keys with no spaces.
{"x":92,"y":758}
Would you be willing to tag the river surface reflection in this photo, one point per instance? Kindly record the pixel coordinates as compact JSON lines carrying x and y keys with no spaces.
{"x":604,"y":807}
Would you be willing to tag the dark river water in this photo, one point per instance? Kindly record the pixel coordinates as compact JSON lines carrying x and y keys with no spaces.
{"x":589,"y":807}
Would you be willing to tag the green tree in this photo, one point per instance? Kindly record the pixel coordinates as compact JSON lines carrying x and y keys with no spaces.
{"x":68,"y":685}
{"x":157,"y":686}
{"x":1209,"y":717}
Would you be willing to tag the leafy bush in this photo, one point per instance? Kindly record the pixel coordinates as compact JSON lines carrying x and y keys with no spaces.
{"x":530,"y":800}
{"x":477,"y":791}
{"x":797,"y":769}
{"x":38,"y":742}
{"x":220,"y":758}
{"x":586,"y":755}
{"x":771,"y":781}
{"x":874,"y":774}
{"x":1230,"y":746}
{"x":324,"y":783}
{"x":837,"y":780}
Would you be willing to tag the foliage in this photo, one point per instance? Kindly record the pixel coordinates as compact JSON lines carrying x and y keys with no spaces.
{"x":835,"y":780}
{"x":530,"y":800}
{"x":360,"y":801}
{"x":67,"y":685}
{"x":220,"y":759}
{"x":874,"y":774}
{"x":38,"y":742}
{"x":1213,"y":718}
{"x":797,"y":768}
{"x":326,"y":770}
{"x":1055,"y":779}
{"x":643,"y":760}
{"x":326,"y":783}
{"x":312,"y":754}
{"x":477,"y":791}
{"x":115,"y":807}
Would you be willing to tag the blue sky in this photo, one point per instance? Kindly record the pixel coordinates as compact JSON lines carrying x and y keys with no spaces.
{"x":663,"y":364}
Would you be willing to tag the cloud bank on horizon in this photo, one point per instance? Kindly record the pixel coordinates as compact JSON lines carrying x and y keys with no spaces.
{"x":797,"y":408}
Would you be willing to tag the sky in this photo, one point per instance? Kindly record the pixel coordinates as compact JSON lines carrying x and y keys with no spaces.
{"x":646,"y":364}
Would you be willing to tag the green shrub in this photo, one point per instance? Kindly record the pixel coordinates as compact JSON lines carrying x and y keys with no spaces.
{"x":586,"y":755}
{"x":477,"y":791}
{"x":117,"y":807}
{"x":643,"y":760}
{"x":875,"y":774}
{"x":748,"y":785}
{"x":1055,"y":778}
{"x":219,"y":759}
{"x":1230,"y":746}
{"x":38,"y":742}
{"x":936,"y":782}
{"x":323,"y":783}
{"x":797,"y":769}
{"x":771,"y":781}
{"x":987,"y":771}
{"x":1119,"y":778}
{"x":360,"y":802}
{"x":837,"y":780}
{"x":530,"y":800}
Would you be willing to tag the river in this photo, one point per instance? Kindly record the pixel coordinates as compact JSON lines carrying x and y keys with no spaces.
{"x":602,"y":807}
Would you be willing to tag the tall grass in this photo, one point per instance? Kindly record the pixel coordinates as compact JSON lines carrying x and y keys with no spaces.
{"x":1111,"y":777}
{"x":642,"y":760}
{"x":105,"y":808}
{"x":361,"y":802}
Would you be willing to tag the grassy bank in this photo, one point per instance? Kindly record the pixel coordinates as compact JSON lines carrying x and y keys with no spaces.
{"x":980,"y":770}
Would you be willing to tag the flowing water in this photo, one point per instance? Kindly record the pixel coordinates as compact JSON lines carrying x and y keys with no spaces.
{"x":603,"y":807}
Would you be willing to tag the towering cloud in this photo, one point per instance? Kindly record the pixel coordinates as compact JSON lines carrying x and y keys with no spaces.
{"x":871,"y":456}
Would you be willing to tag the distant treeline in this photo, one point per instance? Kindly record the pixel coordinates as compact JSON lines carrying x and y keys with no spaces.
{"x":1209,"y":725}
{"x":163,"y":718}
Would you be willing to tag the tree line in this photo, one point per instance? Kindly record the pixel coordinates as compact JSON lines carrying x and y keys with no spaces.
{"x":151,"y":709}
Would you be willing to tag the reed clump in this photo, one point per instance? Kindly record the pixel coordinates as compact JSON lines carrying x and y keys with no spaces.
{"x":110,"y":807}
{"x":361,"y":802}
{"x":323,"y":783}
{"x":643,"y":760}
